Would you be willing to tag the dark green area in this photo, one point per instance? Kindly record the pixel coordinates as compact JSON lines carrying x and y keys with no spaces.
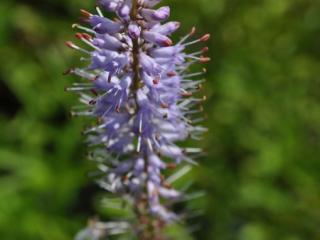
{"x":262,"y":170}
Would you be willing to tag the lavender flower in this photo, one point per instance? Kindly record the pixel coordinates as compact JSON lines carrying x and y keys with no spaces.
{"x":141,"y":91}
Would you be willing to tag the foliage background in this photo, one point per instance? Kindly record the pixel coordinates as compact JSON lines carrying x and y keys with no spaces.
{"x":261,"y":172}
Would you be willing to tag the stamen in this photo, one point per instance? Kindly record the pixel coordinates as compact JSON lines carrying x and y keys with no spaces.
{"x":193,"y":150}
{"x":205,"y":38}
{"x":192,"y":74}
{"x":85,"y":113}
{"x":73,"y":46}
{"x":77,"y":89}
{"x":186,"y":94}
{"x":204,"y":59}
{"x":68,"y":71}
{"x":171,"y":74}
{"x":193,"y":30}
{"x":149,"y":144}
{"x":179,"y":174}
{"x":139,"y":144}
{"x":75,"y":25}
{"x":85,"y":13}
{"x":85,"y":38}
{"x":99,"y":12}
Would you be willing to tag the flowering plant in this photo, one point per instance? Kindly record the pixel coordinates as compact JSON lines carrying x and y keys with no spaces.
{"x":142,"y":93}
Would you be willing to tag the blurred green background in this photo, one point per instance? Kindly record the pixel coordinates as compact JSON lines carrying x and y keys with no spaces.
{"x":262,"y":170}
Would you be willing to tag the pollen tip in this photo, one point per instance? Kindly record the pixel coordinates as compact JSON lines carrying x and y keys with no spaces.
{"x":205,"y":49}
{"x":204,"y":59}
{"x":205,"y":37}
{"x":171,"y":74}
{"x":167,"y":43}
{"x":155,"y":81}
{"x":92,"y":102}
{"x":79,"y":35}
{"x":99,"y":120}
{"x":94,"y":79}
{"x":164,"y":105}
{"x":87,"y":36}
{"x":85,"y":13}
{"x":68,"y":71}
{"x":75,"y":25}
{"x":186,"y":94}
{"x":193,"y":30}
{"x":70,"y":44}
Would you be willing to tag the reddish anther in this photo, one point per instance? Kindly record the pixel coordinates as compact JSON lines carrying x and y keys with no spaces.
{"x":205,"y":38}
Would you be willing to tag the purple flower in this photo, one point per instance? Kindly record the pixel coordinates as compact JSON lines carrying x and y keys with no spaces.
{"x":134,"y":30}
{"x":103,"y":25}
{"x":155,"y":15}
{"x":157,"y":38}
{"x":142,"y":94}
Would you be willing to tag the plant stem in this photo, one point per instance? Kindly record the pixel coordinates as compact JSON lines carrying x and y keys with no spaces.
{"x":149,"y":227}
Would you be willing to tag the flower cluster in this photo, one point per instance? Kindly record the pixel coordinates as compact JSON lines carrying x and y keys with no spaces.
{"x":143,"y":95}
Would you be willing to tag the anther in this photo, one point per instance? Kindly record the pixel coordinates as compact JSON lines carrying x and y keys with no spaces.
{"x":85,"y":13}
{"x":94,"y":79}
{"x":68,"y":71}
{"x":92,"y":102}
{"x":87,"y":36}
{"x":71,"y":45}
{"x":164,"y":105}
{"x":171,"y":74}
{"x":205,"y":38}
{"x":205,"y":49}
{"x":94,"y":92}
{"x":204,"y":59}
{"x":83,"y":36}
{"x":167,"y":43}
{"x":118,"y":109}
{"x":79,"y":35}
{"x":186,"y":94}
{"x":125,"y":178}
{"x":199,"y":87}
{"x":99,"y":120}
{"x":156,"y":81}
{"x":193,"y":30}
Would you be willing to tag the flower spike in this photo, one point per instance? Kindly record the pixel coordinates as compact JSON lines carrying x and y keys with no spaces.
{"x":139,"y":88}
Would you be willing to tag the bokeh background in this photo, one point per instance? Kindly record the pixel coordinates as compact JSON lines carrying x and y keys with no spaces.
{"x":262,"y":168}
